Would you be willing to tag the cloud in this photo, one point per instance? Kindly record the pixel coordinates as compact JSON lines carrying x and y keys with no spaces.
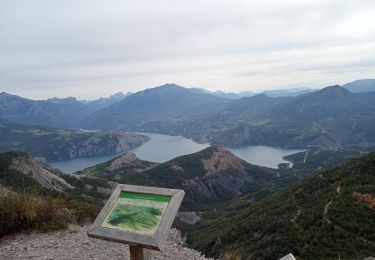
{"x":91,"y":48}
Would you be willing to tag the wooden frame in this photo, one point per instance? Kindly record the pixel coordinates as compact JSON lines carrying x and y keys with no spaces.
{"x":154,"y":241}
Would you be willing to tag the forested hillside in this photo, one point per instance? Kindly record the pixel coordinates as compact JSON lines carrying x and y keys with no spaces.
{"x":329,"y":215}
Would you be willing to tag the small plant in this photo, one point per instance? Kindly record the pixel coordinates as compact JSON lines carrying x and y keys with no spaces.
{"x":233,"y":254}
{"x":30,"y":208}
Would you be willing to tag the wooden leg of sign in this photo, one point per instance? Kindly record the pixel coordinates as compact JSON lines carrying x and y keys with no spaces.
{"x":139,"y":253}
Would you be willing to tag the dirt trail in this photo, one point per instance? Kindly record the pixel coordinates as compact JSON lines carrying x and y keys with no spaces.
{"x":294,"y":219}
{"x":75,"y":244}
{"x":325,"y":213}
{"x":326,"y":207}
{"x":304,"y":160}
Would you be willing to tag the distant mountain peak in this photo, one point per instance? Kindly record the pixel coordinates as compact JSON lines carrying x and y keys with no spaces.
{"x":104,"y":102}
{"x":334,"y":90}
{"x":126,"y":161}
{"x":171,"y":86}
{"x":117,"y":94}
{"x":258,"y":97}
{"x":361,"y":85}
{"x":62,"y":100}
{"x":261,"y":96}
{"x":333,"y":87}
{"x":8,"y":95}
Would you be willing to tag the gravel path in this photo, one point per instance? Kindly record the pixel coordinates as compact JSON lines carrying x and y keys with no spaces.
{"x":75,"y":244}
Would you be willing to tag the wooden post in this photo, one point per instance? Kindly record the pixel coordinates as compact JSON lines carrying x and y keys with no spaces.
{"x":139,"y":253}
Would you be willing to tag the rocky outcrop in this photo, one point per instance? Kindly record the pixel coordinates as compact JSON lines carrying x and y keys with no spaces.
{"x":53,"y":144}
{"x":41,"y":173}
{"x":128,"y":161}
{"x":123,"y":161}
{"x":222,"y":160}
{"x":220,"y":186}
{"x":224,"y":176}
{"x":188,"y":217}
{"x":103,"y":143}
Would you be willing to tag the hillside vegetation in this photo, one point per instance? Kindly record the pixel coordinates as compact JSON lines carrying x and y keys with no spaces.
{"x":316,"y":219}
{"x":34,"y":195}
{"x":314,"y":159}
{"x":19,"y":211}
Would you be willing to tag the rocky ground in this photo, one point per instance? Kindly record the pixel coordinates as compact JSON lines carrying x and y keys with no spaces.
{"x":75,"y":244}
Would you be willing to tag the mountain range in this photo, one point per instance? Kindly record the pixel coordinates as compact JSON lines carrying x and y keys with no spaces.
{"x":232,"y":209}
{"x":330,"y":117}
{"x":152,"y":109}
{"x":66,"y":112}
{"x":363,"y":85}
{"x":101,"y":103}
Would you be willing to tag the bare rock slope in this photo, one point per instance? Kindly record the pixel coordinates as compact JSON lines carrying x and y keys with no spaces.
{"x":43,"y":174}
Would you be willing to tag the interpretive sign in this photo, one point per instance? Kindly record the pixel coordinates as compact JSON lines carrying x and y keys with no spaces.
{"x":137,"y":212}
{"x":137,"y":215}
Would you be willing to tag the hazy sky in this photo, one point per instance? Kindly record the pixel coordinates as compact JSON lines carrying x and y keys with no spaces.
{"x":91,"y":48}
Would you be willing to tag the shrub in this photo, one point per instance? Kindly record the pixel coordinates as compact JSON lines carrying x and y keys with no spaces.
{"x":84,"y":212}
{"x":24,"y":210}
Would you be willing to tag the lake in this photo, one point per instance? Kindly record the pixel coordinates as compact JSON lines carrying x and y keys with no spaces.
{"x":161,"y":148}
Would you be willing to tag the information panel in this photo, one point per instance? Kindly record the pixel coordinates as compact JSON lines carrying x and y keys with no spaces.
{"x":138,"y":216}
{"x":137,"y":212}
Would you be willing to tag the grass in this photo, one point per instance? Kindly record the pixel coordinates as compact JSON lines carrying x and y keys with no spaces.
{"x":233,"y":254}
{"x":20,"y":211}
{"x":30,"y":205}
{"x":24,"y":210}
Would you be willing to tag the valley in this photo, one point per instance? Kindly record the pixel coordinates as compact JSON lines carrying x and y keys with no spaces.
{"x":264,"y":175}
{"x":209,"y":177}
{"x":187,"y":130}
{"x":226,"y":192}
{"x":161,"y":148}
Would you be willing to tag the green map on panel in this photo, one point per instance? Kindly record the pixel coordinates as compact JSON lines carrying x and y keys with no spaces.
{"x":137,"y":212}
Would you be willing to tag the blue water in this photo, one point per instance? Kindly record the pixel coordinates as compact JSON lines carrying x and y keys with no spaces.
{"x":161,"y":148}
